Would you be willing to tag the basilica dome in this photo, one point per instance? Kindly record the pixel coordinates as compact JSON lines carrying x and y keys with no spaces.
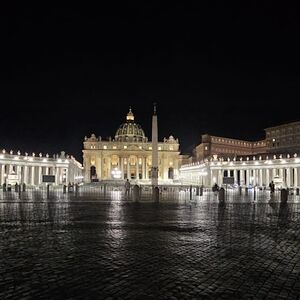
{"x":130,"y":131}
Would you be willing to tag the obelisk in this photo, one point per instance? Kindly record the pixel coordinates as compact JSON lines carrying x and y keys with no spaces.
{"x":154,"y":169}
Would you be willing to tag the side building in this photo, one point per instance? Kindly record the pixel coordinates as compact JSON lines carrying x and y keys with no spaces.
{"x":129,"y":156}
{"x":283,"y":138}
{"x":29,"y":169}
{"x":249,"y":163}
{"x":215,"y":145}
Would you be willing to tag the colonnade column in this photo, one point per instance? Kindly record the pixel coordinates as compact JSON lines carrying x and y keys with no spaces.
{"x":220,"y":176}
{"x":281,"y":173}
{"x":242,"y":177}
{"x":32,"y":175}
{"x":260,"y":177}
{"x":2,"y":174}
{"x":39,"y":175}
{"x":268,"y":177}
{"x":235,"y":176}
{"x":247,"y":177}
{"x":57,"y":176}
{"x":295,"y":177}
{"x":288,"y":177}
{"x":25,"y":174}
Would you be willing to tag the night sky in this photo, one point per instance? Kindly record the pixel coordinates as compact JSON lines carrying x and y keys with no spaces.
{"x":223,"y":69}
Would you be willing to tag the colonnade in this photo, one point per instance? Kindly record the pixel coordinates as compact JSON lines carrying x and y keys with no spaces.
{"x":30,"y":169}
{"x":285,"y":172}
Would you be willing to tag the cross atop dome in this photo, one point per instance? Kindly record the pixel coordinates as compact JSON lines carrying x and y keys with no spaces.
{"x":130,"y":116}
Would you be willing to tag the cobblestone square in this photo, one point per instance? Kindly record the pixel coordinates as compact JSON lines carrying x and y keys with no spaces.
{"x":65,"y":248}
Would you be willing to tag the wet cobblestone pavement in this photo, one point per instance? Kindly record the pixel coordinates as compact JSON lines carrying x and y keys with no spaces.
{"x":83,"y":249}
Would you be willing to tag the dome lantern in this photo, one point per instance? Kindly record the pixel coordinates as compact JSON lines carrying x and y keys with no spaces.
{"x":130,"y":116}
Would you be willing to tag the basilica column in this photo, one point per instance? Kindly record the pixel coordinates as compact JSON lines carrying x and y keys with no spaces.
{"x":147,"y":170}
{"x":137,"y":169}
{"x":128,"y":169}
{"x":143,"y":167}
{"x":122,"y":167}
{"x":47,"y":171}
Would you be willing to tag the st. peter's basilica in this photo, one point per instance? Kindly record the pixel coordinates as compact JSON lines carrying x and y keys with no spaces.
{"x":129,"y":156}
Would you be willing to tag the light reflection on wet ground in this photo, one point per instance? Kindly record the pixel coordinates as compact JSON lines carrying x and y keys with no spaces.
{"x":81,"y":248}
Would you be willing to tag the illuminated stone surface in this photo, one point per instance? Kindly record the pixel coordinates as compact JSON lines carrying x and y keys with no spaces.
{"x":88,"y":248}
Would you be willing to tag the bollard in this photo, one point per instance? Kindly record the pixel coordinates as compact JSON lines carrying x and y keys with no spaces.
{"x":201,"y":190}
{"x":155,"y":194}
{"x":197,"y":191}
{"x":136,"y":193}
{"x":191,"y":192}
{"x":48,"y":191}
{"x":240,"y":190}
{"x":221,"y":196}
{"x":297,"y":191}
{"x":283,"y":196}
{"x":254,"y":193}
{"x":246,"y":191}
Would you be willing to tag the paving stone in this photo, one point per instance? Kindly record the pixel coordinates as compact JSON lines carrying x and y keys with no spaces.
{"x":113,"y":249}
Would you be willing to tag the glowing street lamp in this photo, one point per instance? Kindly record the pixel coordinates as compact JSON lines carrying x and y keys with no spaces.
{"x":116,"y":173}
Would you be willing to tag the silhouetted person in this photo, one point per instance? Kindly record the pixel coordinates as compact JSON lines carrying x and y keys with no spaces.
{"x":272,"y":187}
{"x":127,"y":188}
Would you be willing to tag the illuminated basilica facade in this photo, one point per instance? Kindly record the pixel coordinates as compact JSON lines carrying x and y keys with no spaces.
{"x":129,"y":156}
